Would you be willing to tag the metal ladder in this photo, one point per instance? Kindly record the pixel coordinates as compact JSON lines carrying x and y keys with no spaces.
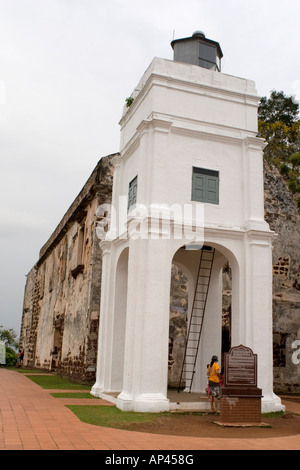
{"x":197,"y":317}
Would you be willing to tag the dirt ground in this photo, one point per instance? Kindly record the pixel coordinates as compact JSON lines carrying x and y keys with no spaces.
{"x":203,"y":425}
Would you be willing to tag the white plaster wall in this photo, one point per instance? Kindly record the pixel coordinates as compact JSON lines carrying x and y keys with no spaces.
{"x":193,"y":93}
{"x":164,"y":160}
{"x":203,"y":119}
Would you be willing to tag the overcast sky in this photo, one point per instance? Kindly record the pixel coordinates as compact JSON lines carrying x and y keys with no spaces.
{"x":66,"y":68}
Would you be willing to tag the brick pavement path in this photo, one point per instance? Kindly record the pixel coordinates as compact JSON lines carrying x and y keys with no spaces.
{"x":31,"y":419}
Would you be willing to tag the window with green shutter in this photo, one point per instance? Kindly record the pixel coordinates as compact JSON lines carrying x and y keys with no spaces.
{"x":132,"y":193}
{"x":205,"y":185}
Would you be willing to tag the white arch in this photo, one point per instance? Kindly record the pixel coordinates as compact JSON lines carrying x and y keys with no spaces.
{"x":119,"y":321}
{"x":211,"y":338}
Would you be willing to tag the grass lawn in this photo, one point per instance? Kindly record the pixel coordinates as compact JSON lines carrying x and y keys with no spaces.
{"x":57,"y":382}
{"x":111,"y":417}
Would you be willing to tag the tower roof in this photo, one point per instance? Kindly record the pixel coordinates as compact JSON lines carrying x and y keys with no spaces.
{"x":198,"y":50}
{"x":199,"y":35}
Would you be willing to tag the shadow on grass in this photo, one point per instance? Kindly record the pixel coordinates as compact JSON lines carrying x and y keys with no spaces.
{"x":84,"y":395}
{"x":21,"y":370}
{"x":111,"y":417}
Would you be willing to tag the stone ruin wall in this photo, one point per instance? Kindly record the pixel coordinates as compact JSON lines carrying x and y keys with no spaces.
{"x":57,"y":322}
{"x":60,"y":320}
{"x":30,"y":317}
{"x":178,"y":325}
{"x":284,"y":218}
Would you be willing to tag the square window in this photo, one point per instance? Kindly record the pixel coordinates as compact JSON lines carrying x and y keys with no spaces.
{"x":205,"y":185}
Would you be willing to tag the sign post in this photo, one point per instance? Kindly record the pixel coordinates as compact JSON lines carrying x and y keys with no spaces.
{"x":240,"y":397}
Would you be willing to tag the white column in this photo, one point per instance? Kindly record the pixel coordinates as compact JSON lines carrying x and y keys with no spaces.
{"x":147,"y":327}
{"x":259,"y":322}
{"x":103,"y":337}
{"x":254,"y":184}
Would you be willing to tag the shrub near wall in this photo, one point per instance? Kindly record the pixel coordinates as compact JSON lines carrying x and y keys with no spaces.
{"x":11,"y":357}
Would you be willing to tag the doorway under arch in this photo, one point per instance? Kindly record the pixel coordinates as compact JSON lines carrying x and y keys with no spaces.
{"x":216,"y":333}
{"x":119,"y":319}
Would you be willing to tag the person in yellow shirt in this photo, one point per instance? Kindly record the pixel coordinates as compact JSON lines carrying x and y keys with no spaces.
{"x":213,"y":374}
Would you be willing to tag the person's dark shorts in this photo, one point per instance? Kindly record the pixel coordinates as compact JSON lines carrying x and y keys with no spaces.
{"x":214,"y":389}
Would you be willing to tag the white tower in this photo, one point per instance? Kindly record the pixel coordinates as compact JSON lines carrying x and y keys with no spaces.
{"x":190,"y":172}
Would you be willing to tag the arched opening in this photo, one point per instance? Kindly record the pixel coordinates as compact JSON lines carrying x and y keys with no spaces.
{"x":57,"y":348}
{"x":119,"y":322}
{"x":216,"y":332}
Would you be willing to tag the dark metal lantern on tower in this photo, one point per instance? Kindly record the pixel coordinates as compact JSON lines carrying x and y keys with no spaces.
{"x":198,"y":50}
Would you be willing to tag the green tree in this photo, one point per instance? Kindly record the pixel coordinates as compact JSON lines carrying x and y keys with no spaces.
{"x":278,"y":107}
{"x":9,"y":337}
{"x":295,"y":161}
{"x":11,"y":357}
{"x":279,"y":125}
